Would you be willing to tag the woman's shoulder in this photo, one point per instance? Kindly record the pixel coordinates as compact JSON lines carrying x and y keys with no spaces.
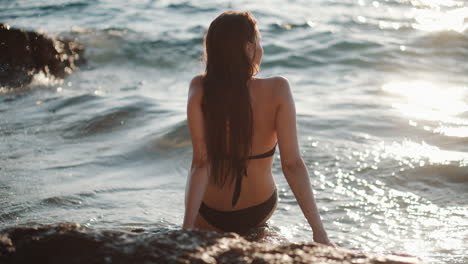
{"x":275,"y":84}
{"x":196,"y":82}
{"x":196,"y":85}
{"x":195,"y":92}
{"x":274,"y":81}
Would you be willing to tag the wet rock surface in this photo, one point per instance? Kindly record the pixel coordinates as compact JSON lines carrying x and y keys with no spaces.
{"x":72,"y":243}
{"x":24,"y":54}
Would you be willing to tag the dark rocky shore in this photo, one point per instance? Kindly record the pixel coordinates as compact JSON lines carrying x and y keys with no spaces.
{"x":24,"y":54}
{"x":72,"y":243}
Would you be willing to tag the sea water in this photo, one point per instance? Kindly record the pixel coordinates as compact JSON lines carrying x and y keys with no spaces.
{"x":381,"y":91}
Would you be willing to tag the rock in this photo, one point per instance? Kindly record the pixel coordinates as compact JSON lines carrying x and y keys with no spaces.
{"x":72,"y":243}
{"x":25,"y":53}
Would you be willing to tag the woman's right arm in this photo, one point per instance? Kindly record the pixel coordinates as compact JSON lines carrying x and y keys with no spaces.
{"x":197,"y":180}
{"x":292,"y":164}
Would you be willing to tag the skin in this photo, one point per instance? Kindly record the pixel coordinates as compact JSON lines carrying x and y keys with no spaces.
{"x":274,"y":116}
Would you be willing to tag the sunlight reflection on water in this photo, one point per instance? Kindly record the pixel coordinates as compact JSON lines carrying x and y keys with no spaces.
{"x":428,"y":101}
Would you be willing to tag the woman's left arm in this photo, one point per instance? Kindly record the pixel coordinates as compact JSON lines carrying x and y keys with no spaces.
{"x":198,"y":175}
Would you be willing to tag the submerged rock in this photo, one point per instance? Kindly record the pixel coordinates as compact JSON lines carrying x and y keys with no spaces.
{"x":72,"y":243}
{"x":25,"y":53}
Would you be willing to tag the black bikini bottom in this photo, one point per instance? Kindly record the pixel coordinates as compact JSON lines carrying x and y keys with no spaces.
{"x":239,"y":221}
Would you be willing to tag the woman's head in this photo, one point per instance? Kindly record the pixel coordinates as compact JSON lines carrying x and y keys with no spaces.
{"x":233,"y":40}
{"x":233,"y":55}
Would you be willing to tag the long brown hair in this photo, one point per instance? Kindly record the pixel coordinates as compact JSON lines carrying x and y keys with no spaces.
{"x":226,"y":100}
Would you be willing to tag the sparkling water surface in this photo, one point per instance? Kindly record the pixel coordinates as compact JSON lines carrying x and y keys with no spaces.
{"x":381,"y":95}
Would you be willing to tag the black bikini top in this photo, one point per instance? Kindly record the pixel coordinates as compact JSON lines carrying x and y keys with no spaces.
{"x":237,"y":189}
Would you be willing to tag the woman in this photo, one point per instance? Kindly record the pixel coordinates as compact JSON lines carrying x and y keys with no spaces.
{"x":235,"y":123}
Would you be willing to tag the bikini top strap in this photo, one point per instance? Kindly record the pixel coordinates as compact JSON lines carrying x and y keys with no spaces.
{"x":237,"y":188}
{"x":266,"y":154}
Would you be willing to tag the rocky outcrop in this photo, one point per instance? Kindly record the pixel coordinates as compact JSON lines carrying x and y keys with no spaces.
{"x":25,"y":53}
{"x":71,"y":243}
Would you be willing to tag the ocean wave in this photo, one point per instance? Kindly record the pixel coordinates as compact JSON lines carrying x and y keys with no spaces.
{"x":14,"y":211}
{"x":171,"y":50}
{"x":439,"y":175}
{"x":75,"y":101}
{"x":166,"y":143}
{"x":442,"y":184}
{"x":65,"y":201}
{"x":127,"y":46}
{"x":447,"y":43}
{"x":186,"y":7}
{"x":111,"y":121}
{"x":12,"y":10}
{"x":89,"y":115}
{"x":177,"y":137}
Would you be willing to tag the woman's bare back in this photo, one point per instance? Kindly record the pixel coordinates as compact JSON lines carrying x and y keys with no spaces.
{"x":259,"y":183}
